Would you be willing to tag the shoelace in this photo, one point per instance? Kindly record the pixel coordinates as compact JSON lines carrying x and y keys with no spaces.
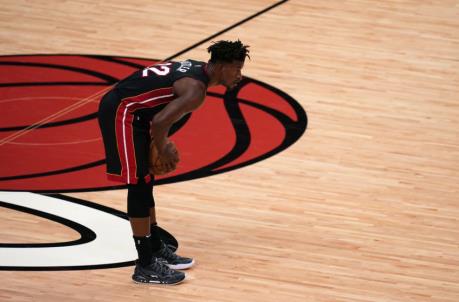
{"x":160,"y":267}
{"x":167,"y":253}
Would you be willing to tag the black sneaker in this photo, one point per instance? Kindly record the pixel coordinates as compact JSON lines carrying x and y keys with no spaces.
{"x":172,"y":260}
{"x":158,"y":273}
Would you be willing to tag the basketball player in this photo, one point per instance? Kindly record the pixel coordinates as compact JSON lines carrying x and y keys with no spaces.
{"x":142,"y":108}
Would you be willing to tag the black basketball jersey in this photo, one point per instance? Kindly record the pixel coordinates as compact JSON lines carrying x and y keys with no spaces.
{"x":136,"y":99}
{"x":125,"y":115}
{"x":161,"y":76}
{"x":147,"y":91}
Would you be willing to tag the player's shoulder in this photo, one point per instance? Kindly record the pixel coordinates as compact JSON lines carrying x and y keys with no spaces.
{"x":190,"y":84}
{"x":190,"y":69}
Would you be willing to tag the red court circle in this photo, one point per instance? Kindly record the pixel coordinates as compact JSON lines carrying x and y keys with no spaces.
{"x":65,"y":154}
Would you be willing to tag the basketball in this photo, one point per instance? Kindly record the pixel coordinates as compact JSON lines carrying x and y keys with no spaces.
{"x":155,"y":165}
{"x":154,"y":161}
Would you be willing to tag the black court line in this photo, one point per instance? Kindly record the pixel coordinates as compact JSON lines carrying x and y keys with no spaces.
{"x":86,"y":234}
{"x":225,"y":30}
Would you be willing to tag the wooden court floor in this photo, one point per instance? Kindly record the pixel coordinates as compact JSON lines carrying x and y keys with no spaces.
{"x":363,"y":207}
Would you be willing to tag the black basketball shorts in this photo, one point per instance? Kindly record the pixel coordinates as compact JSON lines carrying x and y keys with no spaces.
{"x":126,"y":140}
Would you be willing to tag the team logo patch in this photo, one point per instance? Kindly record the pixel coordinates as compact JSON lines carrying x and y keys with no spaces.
{"x":50,"y":140}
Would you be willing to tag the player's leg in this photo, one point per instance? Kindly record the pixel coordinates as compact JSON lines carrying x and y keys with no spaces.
{"x":149,"y":269}
{"x":139,"y":195}
{"x":155,"y":236}
{"x":160,"y":248}
{"x":139,"y":216}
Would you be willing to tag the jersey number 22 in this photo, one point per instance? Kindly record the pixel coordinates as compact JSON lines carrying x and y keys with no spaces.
{"x":160,"y":69}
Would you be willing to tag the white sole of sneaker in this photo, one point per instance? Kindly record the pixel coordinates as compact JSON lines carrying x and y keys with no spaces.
{"x":157,"y":283}
{"x":181,"y":266}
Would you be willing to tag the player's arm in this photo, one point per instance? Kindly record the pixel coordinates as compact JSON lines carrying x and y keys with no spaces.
{"x":190,"y":94}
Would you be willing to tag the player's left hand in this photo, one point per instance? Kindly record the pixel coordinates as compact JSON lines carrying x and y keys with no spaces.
{"x":169,"y":158}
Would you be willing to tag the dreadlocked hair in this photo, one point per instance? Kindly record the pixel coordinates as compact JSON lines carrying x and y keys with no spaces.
{"x":228,"y":51}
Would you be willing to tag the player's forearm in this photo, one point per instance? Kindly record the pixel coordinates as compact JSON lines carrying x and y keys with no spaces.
{"x":159,"y":131}
{"x":162,"y":122}
{"x":174,"y":111}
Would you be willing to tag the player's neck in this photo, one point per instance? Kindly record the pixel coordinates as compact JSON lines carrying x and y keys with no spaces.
{"x":213,"y":77}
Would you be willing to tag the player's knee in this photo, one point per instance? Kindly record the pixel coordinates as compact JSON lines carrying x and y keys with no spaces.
{"x":139,"y":200}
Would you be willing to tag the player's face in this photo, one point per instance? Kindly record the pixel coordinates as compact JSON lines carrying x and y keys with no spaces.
{"x":232,"y":74}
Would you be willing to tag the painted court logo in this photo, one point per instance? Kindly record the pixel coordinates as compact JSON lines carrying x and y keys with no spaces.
{"x":50,"y":142}
{"x":65,"y":153}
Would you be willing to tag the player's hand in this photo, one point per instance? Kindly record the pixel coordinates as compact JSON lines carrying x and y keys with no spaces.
{"x":169,"y":157}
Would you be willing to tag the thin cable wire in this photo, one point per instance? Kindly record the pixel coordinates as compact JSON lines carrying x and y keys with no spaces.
{"x":53,"y":116}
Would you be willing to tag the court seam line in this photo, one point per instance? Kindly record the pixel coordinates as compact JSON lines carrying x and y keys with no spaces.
{"x":226,"y":29}
{"x":86,"y":100}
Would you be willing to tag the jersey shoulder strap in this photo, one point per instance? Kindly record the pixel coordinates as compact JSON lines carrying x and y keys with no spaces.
{"x":192,"y":69}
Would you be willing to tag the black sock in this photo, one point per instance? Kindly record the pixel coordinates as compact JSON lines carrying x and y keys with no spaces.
{"x":155,"y":238}
{"x":144,"y":250}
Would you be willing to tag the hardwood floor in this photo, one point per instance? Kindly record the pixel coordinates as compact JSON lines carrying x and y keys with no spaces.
{"x":363,"y":207}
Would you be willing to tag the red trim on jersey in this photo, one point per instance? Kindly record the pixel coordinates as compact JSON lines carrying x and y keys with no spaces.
{"x":114,"y":177}
{"x":124,"y":129}
{"x":147,"y":178}
{"x":148,"y":95}
{"x":119,"y":178}
{"x":131,"y":166}
{"x":119,"y":139}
